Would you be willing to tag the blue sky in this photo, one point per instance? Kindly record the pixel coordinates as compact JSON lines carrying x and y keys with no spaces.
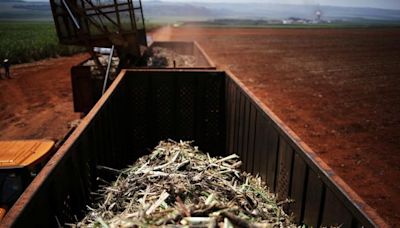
{"x":387,"y":4}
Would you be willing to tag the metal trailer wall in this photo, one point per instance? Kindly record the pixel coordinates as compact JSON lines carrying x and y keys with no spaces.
{"x":288,"y":166}
{"x":213,"y":108}
{"x":87,"y":89}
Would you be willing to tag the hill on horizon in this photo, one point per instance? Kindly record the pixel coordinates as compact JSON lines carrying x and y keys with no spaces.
{"x":179,"y":11}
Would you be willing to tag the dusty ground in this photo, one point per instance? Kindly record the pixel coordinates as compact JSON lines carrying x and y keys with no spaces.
{"x":37,"y":102}
{"x":337,"y":89}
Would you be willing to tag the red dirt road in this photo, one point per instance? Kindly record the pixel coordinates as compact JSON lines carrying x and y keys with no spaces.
{"x":37,"y":102}
{"x":338,"y":89}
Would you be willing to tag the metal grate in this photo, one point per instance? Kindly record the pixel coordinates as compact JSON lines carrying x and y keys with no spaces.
{"x":185,"y":110}
{"x":164,"y":110}
{"x":138,"y":106}
{"x":212,"y":97}
{"x":100,"y":23}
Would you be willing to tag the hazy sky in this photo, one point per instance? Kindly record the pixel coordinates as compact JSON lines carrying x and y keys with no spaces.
{"x":388,"y":4}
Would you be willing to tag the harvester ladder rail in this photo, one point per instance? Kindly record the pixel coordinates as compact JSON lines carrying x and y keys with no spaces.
{"x":108,"y":70}
{"x":117,"y":13}
{"x":144,"y":26}
{"x":88,"y":18}
{"x":132,"y":17}
{"x":71,"y":15}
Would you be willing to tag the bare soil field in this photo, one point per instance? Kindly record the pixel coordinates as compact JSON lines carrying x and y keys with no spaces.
{"x":37,"y":102}
{"x":338,"y":89}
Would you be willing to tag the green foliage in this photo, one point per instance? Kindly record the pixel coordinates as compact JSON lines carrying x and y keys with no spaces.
{"x":31,"y":41}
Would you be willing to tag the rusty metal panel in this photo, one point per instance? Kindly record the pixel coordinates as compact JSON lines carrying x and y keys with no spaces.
{"x":82,"y":89}
{"x":228,"y":108}
{"x":306,"y":161}
{"x":314,"y":200}
{"x":236,"y":122}
{"x":213,"y":118}
{"x":245,"y":144}
{"x":111,"y":131}
{"x":84,"y":167}
{"x":231,"y":113}
{"x":101,"y":126}
{"x":272,"y":156}
{"x":44,"y":202}
{"x":118,"y":130}
{"x":298,"y":188}
{"x":163,"y":106}
{"x":240,"y":123}
{"x":265,"y":142}
{"x":334,"y":212}
{"x":285,"y":170}
{"x":172,"y":102}
{"x":138,"y":102}
{"x":200,"y":102}
{"x":75,"y":197}
{"x":251,"y":141}
{"x":185,"y":108}
{"x":60,"y":193}
{"x":260,"y":136}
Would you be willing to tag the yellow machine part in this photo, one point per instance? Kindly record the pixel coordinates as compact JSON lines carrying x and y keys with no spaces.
{"x":2,"y":213}
{"x":23,"y":153}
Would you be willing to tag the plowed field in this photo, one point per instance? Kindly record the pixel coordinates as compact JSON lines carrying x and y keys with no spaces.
{"x":338,"y":89}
